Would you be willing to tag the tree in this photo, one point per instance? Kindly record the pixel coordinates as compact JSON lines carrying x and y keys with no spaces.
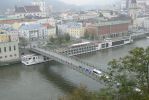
{"x":86,"y":35}
{"x":52,"y":39}
{"x":80,"y":93}
{"x":132,"y":73}
{"x":60,"y":39}
{"x":23,"y":42}
{"x":67,"y":37}
{"x":128,"y":79}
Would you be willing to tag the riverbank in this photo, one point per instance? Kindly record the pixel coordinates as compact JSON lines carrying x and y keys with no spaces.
{"x":136,"y":36}
{"x":10,"y":62}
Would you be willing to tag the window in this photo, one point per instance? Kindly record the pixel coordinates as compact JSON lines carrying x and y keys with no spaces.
{"x":0,"y":50}
{"x":5,"y":56}
{"x":4,"y":49}
{"x":9,"y":48}
{"x":14,"y":48}
{"x":10,"y":55}
{"x":1,"y":57}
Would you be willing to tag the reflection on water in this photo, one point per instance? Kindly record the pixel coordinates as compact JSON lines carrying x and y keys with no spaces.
{"x":50,"y":80}
{"x":55,"y":78}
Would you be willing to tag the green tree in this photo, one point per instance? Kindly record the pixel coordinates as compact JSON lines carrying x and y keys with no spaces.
{"x":67,"y":37}
{"x":80,"y":93}
{"x":128,"y":79}
{"x":131,"y":72}
{"x":60,"y":39}
{"x":86,"y":35}
{"x":52,"y":39}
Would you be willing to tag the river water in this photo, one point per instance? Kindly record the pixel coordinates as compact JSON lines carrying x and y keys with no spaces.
{"x":48,"y":81}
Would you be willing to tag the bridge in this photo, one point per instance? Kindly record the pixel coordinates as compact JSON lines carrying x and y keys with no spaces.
{"x":73,"y":63}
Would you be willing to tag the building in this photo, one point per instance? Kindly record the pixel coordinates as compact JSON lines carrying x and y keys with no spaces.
{"x":50,"y":21}
{"x":33,"y":32}
{"x":51,"y":30}
{"x":74,"y":29}
{"x":146,"y":24}
{"x":125,"y":4}
{"x":9,"y":50}
{"x":42,"y":6}
{"x":28,"y":12}
{"x":133,"y":9}
{"x":88,"y":15}
{"x":109,"y":29}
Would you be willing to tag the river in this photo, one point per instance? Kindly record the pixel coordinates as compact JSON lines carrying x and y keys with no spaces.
{"x":48,"y":81}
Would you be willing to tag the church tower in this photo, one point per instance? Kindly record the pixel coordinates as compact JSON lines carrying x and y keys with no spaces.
{"x":133,"y":13}
{"x":41,"y":4}
{"x":133,"y":9}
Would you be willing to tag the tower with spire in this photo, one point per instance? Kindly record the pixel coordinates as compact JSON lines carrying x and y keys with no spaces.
{"x":133,"y":9}
{"x":41,"y":4}
{"x":133,"y":12}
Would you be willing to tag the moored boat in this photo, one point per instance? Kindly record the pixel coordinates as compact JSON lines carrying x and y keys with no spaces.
{"x":32,"y":59}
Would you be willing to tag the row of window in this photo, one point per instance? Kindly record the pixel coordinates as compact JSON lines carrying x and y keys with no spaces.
{"x":9,"y":56}
{"x":11,"y":48}
{"x":80,"y":50}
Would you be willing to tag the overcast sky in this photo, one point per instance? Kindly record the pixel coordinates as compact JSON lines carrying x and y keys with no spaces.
{"x":89,"y":2}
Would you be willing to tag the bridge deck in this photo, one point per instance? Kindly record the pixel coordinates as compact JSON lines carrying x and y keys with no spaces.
{"x":74,"y":63}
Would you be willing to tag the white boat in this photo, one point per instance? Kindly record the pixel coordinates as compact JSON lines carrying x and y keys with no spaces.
{"x":115,"y":43}
{"x":32,"y":59}
{"x":86,"y":47}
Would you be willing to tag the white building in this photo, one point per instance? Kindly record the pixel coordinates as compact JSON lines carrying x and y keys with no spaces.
{"x":75,"y":30}
{"x":50,"y":21}
{"x":125,"y":4}
{"x":9,"y":50}
{"x":87,"y":15}
{"x":33,"y":32}
{"x":50,"y":29}
{"x":146,"y":24}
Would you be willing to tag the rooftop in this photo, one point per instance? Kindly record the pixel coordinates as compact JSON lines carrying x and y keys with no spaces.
{"x":30,"y":26}
{"x":73,"y":25}
{"x":27,"y":9}
{"x":133,"y":1}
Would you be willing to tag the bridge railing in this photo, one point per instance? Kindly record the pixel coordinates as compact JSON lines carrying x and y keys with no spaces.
{"x":74,"y":67}
{"x":75,"y":58}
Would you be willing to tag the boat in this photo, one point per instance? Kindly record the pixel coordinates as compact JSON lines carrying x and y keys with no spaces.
{"x":87,"y":47}
{"x":80,"y":48}
{"x":114,"y":43}
{"x":32,"y":59}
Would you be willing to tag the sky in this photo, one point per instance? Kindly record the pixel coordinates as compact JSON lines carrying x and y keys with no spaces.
{"x":89,"y":2}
